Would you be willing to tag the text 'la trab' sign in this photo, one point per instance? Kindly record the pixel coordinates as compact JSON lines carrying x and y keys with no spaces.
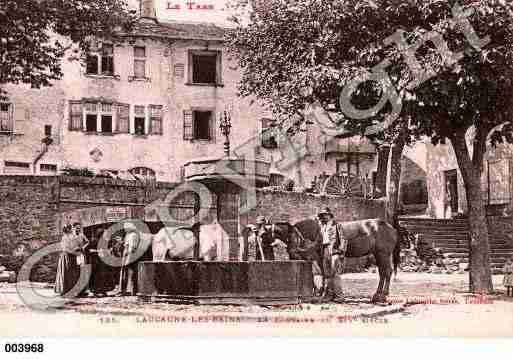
{"x":189,"y":5}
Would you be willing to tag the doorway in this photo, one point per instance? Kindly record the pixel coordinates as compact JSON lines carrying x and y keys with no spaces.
{"x":451,"y":190}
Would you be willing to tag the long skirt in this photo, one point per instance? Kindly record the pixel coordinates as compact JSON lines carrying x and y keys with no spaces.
{"x":68,"y":273}
{"x":102,"y":277}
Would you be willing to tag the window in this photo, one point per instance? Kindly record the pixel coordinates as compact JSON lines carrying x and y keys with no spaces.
{"x":43,"y":167}
{"x":12,"y":167}
{"x":6,"y":118}
{"x":109,"y":118}
{"x":143,"y":172}
{"x":107,"y":60}
{"x":205,"y":67}
{"x":155,"y":120}
{"x":199,"y":125}
{"x":268,"y":135}
{"x":91,"y":110}
{"x":106,"y":118}
{"x":139,"y":62}
{"x":75,"y":117}
{"x":202,"y":125}
{"x":48,"y":130}
{"x":92,"y":67}
{"x":348,"y":164}
{"x":101,"y":63}
{"x":139,"y":120}
{"x":99,"y":113}
{"x":123,"y":120}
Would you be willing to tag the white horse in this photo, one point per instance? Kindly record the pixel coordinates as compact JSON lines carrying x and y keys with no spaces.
{"x":178,"y":243}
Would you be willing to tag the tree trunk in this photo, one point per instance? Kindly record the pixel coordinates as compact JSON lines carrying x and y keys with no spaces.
{"x":393,"y":180}
{"x":480,"y":276}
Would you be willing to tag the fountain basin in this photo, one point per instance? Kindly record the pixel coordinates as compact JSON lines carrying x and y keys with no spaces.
{"x":230,"y":168}
{"x":229,"y":282}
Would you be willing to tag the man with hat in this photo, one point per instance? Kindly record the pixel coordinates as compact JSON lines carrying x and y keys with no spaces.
{"x":333,"y":250}
{"x":264,"y":240}
{"x":128,"y":274}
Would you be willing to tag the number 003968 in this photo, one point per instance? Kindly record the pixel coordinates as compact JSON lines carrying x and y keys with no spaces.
{"x":23,"y":348}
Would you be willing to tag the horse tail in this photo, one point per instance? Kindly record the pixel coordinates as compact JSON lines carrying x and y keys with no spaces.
{"x":396,"y":254}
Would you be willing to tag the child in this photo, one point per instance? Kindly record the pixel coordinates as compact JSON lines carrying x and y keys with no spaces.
{"x":508,"y":276}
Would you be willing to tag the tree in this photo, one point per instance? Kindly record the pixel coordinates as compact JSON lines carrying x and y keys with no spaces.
{"x":35,"y":35}
{"x":397,"y":71}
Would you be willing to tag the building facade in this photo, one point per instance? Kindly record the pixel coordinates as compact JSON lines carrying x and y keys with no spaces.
{"x":147,"y":104}
{"x":144,"y":106}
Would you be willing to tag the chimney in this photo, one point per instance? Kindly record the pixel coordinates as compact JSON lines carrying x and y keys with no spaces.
{"x":147,"y":10}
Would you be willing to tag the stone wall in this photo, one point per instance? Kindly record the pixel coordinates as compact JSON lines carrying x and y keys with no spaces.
{"x":28,"y":218}
{"x":294,"y":206}
{"x":297,"y":206}
{"x":34,"y":208}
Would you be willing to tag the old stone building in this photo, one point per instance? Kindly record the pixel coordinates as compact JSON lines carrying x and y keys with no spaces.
{"x":447,"y":196}
{"x":152,"y":102}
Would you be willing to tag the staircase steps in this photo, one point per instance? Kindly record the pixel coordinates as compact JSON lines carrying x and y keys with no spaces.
{"x":451,"y":235}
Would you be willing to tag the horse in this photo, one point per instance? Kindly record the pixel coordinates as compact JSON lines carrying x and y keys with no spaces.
{"x":299,"y":247}
{"x":179,"y":243}
{"x":368,"y":236}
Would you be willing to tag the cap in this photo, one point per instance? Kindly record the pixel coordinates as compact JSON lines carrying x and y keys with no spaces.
{"x":325,"y":211}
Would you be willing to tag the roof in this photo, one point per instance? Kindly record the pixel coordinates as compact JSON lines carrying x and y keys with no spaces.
{"x":178,"y":30}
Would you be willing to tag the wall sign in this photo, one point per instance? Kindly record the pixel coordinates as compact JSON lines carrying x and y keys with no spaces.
{"x":189,"y":5}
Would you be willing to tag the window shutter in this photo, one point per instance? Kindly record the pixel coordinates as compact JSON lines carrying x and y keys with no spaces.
{"x":156,"y":115}
{"x":187,"y":125}
{"x":19,"y":118}
{"x":219,"y":68}
{"x":147,"y":66}
{"x":75,"y":122}
{"x":213,"y":126}
{"x":123,"y":118}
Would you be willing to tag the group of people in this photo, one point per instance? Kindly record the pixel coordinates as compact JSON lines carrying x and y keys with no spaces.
{"x":333,"y":247}
{"x":78,"y":252}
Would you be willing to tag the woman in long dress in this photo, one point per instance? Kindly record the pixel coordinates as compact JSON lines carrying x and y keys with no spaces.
{"x":68,"y":271}
{"x":101,"y":280}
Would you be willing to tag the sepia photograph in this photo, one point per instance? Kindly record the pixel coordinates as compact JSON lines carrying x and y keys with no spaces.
{"x":255,"y":168}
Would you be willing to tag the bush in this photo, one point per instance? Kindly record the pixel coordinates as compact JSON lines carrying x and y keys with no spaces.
{"x":78,"y":172}
{"x":288,"y":185}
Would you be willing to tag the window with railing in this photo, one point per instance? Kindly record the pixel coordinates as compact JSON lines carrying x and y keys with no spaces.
{"x":103,"y":117}
{"x":6,"y":118}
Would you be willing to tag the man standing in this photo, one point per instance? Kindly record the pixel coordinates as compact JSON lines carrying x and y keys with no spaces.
{"x":82,"y":243}
{"x":333,"y":251}
{"x":128,"y":274}
{"x":264,"y":240}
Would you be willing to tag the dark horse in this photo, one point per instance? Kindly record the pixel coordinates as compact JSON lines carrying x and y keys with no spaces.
{"x":368,"y":236}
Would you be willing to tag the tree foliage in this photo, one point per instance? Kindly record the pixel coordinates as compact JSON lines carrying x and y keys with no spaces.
{"x":35,"y":35}
{"x":323,"y":45}
{"x":448,"y":69}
